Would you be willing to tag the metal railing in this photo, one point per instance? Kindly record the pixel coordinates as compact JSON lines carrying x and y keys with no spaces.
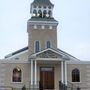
{"x":69,"y":86}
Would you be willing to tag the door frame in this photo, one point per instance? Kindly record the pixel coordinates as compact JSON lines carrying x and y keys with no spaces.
{"x":47,"y":70}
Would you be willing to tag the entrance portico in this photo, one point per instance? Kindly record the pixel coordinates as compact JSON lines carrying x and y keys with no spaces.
{"x":57,"y":62}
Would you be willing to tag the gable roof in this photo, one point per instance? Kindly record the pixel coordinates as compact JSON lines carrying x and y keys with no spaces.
{"x":58,"y":51}
{"x":62,"y":55}
{"x":16,"y":52}
{"x":69,"y":55}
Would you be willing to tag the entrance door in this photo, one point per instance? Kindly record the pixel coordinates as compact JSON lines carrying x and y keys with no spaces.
{"x":46,"y":78}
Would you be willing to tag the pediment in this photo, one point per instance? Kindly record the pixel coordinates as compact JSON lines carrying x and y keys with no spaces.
{"x":49,"y":54}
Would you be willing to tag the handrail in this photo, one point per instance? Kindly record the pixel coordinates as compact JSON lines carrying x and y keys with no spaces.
{"x":69,"y":85}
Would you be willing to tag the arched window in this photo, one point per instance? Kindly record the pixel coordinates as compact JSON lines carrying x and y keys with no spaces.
{"x":17,"y":74}
{"x":40,"y":13}
{"x":37,"y":46}
{"x":75,"y":75}
{"x":48,"y":44}
{"x":34,"y":13}
{"x":50,"y":13}
{"x":39,"y":6}
{"x":49,"y":7}
{"x":44,"y":13}
{"x":44,"y":7}
{"x":34,"y":6}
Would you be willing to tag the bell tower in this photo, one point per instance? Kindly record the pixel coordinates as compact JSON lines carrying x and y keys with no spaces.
{"x":41,"y":27}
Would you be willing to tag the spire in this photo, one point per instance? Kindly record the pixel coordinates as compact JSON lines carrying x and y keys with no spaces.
{"x":42,"y":9}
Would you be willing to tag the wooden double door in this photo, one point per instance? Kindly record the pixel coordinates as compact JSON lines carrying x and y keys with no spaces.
{"x":46,"y":78}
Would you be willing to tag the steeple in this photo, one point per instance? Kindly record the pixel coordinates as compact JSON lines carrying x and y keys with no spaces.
{"x":41,"y":27}
{"x":42,"y":9}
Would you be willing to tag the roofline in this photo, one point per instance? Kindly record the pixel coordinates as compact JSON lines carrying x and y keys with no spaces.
{"x":26,"y":48}
{"x":54,"y":50}
{"x":68,"y":54}
{"x":16,"y":52}
{"x":79,"y":62}
{"x":43,"y":22}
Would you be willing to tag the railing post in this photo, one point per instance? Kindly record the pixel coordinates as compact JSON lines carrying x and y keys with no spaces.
{"x":62,"y":86}
{"x":69,"y":86}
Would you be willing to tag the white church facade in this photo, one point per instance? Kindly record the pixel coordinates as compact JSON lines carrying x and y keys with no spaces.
{"x":42,"y":65}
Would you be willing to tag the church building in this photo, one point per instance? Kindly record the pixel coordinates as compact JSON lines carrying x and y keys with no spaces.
{"x":42,"y":65}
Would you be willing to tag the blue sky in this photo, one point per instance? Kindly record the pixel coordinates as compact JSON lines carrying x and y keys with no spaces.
{"x":73,"y":28}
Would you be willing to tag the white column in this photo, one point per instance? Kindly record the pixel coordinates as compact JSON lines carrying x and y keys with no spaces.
{"x":35,"y":72}
{"x":62,"y":80}
{"x":31,"y":72}
{"x":65,"y":73}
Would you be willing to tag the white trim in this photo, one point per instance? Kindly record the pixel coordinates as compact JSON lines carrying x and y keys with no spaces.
{"x":79,"y":75}
{"x":65,"y":72}
{"x":13,"y":61}
{"x":35,"y":26}
{"x":47,"y":50}
{"x":21,"y":76}
{"x":28,"y":61}
{"x":43,"y":22}
{"x":62,"y":80}
{"x":76,"y":82}
{"x":49,"y":59}
{"x":42,"y":27}
{"x":46,"y":43}
{"x":31,"y":72}
{"x":79,"y":62}
{"x":35,"y":72}
{"x":50,"y":27}
{"x":16,"y":55}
